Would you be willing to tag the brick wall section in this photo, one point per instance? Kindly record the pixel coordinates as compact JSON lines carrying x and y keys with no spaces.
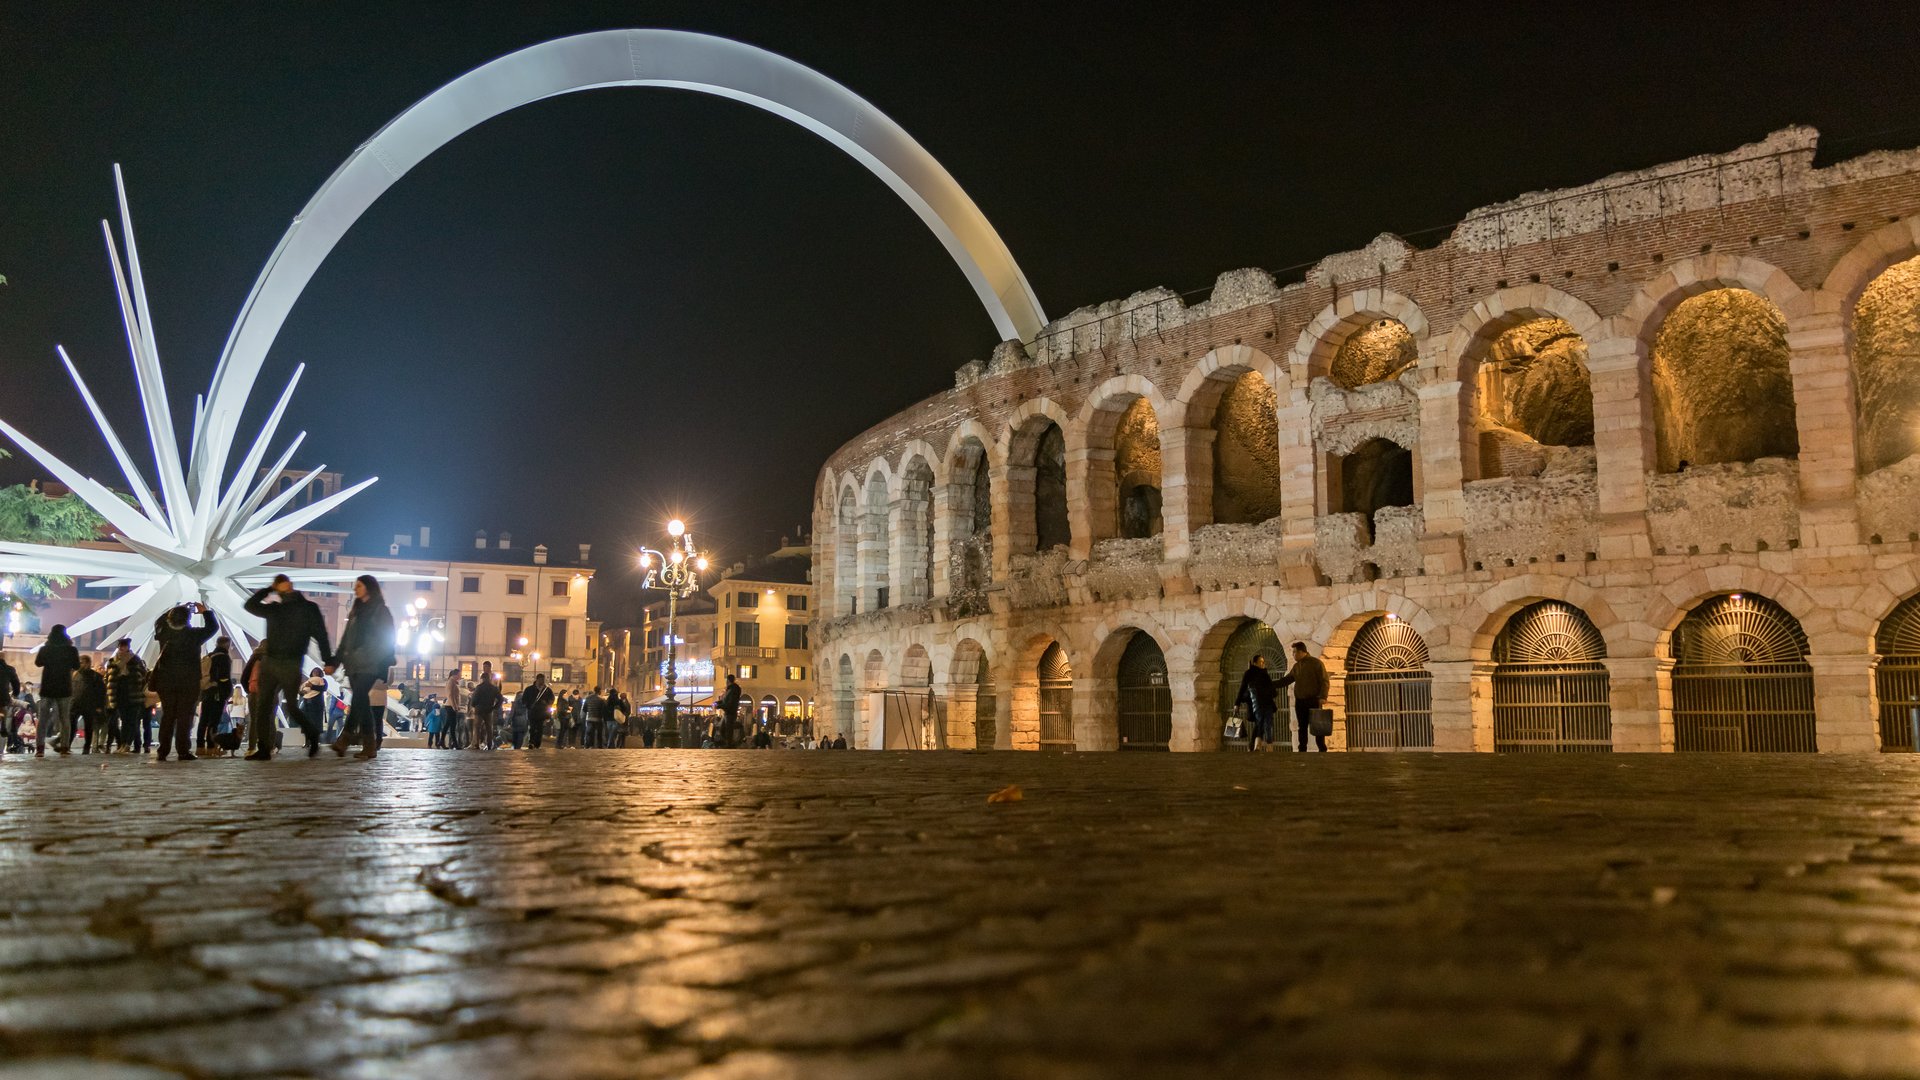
{"x":1612,"y":259}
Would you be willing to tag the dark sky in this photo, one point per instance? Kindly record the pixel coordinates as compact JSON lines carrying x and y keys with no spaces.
{"x":605,"y":307}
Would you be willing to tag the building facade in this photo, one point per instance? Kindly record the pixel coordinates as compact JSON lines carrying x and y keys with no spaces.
{"x":765,"y":623}
{"x":695,"y":625}
{"x":524,"y":609}
{"x":1627,"y":466}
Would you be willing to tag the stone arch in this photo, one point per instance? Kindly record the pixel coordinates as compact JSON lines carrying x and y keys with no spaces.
{"x":1872,"y":256}
{"x":1679,"y":597}
{"x":1313,"y":352}
{"x":1750,"y":412}
{"x":972,"y":705}
{"x":1482,"y":621}
{"x":1216,"y":674}
{"x":1036,"y":478}
{"x":1741,"y":677}
{"x":1115,"y":442}
{"x":1537,"y":391}
{"x":1040,"y":709}
{"x":1334,"y":632}
{"x":1885,"y":331}
{"x":1380,"y":678}
{"x":876,"y":548}
{"x":1228,"y":411}
{"x":873,"y":680}
{"x":1375,"y":474}
{"x":1126,"y":707}
{"x":967,"y":508}
{"x":916,"y":668}
{"x":846,"y":550}
{"x":915,"y":535}
{"x":846,"y":701}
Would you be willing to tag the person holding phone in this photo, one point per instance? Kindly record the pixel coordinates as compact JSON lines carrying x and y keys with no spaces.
{"x":182,"y":633}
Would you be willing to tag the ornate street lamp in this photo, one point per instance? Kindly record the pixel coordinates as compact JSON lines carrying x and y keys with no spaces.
{"x":677,"y":573}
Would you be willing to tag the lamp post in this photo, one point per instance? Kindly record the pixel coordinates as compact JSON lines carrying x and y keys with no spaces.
{"x":678,"y":573}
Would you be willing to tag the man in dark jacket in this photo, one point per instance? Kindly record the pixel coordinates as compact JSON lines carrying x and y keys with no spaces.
{"x":176,"y":675}
{"x":216,"y":690}
{"x":1259,"y":695}
{"x":57,"y":661}
{"x":90,"y":702}
{"x":293,"y":623}
{"x":537,"y":702}
{"x":591,"y":709}
{"x":1309,"y":679}
{"x":730,"y":707}
{"x":484,"y":704}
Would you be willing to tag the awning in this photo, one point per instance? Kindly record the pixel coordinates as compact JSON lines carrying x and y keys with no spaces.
{"x":702,"y":702}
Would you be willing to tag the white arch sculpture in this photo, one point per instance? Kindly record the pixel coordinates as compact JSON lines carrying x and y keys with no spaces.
{"x":667,"y":58}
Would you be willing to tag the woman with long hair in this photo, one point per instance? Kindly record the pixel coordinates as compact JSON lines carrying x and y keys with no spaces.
{"x":367,"y":650}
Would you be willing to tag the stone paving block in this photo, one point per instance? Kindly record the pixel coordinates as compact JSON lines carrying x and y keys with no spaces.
{"x":303,"y":1040}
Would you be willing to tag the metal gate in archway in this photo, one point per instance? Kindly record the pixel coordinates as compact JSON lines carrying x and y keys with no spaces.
{"x":1389,"y":689}
{"x":1741,"y":681}
{"x":1897,"y":677}
{"x":1549,"y":685}
{"x":1056,"y":699}
{"x":1146,"y":701}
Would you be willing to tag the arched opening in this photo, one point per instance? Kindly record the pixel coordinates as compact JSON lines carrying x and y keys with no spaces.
{"x":769,"y":710}
{"x":1251,"y":638}
{"x":875,"y":547}
{"x":1377,"y":474}
{"x":1246,"y":452}
{"x":1722,"y":385}
{"x":1037,"y":482}
{"x":1550,"y":687}
{"x":1896,"y":678}
{"x":913,"y":719}
{"x":846,"y":555}
{"x":874,"y":704}
{"x":1886,"y":364}
{"x":971,"y":705}
{"x":1137,"y":470}
{"x":916,"y":532}
{"x":1534,"y":391}
{"x":1389,"y":691}
{"x":1377,"y":352}
{"x":1055,"y":677}
{"x":792,"y":713}
{"x":843,"y":699}
{"x":1741,"y":681}
{"x":1145,"y":715}
{"x":970,"y":502}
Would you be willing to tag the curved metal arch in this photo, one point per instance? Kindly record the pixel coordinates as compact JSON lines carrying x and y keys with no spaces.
{"x":1549,"y":632}
{"x":664,"y":58}
{"x":1739,"y":629}
{"x":1385,"y":644}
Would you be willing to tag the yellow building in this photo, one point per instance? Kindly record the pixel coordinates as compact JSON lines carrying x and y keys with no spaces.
{"x":765,"y":619}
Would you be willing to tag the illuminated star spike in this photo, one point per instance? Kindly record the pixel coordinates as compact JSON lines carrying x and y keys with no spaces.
{"x":188,"y":537}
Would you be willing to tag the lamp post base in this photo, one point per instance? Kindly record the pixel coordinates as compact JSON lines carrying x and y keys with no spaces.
{"x":668,"y":733}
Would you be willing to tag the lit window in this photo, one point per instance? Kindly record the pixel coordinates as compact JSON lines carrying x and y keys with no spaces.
{"x":796,"y":674}
{"x":749,"y":671}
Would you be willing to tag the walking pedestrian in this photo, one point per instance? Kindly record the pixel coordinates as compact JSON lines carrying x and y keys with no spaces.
{"x":618,"y":713}
{"x":89,"y":702}
{"x":126,"y":695}
{"x":1308,"y":676}
{"x":591,"y":708}
{"x":1260,"y":697}
{"x":216,"y":689}
{"x":366,"y":648}
{"x":730,"y":707}
{"x":9,"y":689}
{"x":313,"y":701}
{"x":483,"y":703}
{"x":434,"y":718}
{"x":452,"y":736}
{"x":183,"y":632}
{"x":57,"y":661}
{"x":563,"y":713}
{"x":535,"y":704}
{"x":293,"y":624}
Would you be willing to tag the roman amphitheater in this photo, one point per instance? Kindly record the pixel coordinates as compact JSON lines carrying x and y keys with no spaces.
{"x":1629,"y":466}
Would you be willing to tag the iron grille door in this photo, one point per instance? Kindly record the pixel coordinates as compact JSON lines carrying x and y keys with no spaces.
{"x":1897,"y":678}
{"x":1550,"y":690}
{"x":1146,"y":701}
{"x":1389,"y":702}
{"x":1252,"y":638}
{"x":1056,"y":700}
{"x":1741,"y":682}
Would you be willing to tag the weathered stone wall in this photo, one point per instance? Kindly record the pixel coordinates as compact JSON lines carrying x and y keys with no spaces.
{"x":1608,"y":528}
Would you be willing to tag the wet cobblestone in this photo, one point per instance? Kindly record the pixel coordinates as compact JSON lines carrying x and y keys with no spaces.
{"x":740,"y":916}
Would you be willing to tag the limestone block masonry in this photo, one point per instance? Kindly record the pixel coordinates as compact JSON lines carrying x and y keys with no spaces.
{"x":1625,"y":498}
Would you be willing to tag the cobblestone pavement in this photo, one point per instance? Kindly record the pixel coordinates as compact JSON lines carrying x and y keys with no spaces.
{"x":747,"y":915}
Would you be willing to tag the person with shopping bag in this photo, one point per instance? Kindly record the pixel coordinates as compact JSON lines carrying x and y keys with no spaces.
{"x":1308,"y":677}
{"x":1259,"y":698}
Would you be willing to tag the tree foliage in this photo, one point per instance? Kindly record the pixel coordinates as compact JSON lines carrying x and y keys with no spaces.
{"x":34,"y":517}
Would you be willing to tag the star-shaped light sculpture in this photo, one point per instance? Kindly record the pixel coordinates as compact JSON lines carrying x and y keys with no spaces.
{"x":195,"y":538}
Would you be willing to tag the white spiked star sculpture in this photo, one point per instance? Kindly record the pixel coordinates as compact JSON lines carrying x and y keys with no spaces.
{"x":195,"y":540}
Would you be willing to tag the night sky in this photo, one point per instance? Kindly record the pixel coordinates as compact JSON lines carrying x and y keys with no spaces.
{"x":611,"y":306}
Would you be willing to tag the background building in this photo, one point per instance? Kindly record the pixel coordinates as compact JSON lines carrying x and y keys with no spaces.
{"x":1633,"y":465}
{"x":765,"y":621}
{"x":694,"y":625}
{"x":524,"y":608}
